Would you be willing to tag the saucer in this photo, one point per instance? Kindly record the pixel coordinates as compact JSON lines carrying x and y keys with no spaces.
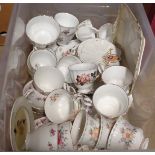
{"x":21,"y":123}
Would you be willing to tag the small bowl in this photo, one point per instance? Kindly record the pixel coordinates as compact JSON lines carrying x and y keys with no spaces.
{"x":47,"y":78}
{"x":111,"y":101}
{"x":42,"y":30}
{"x":40,"y":58}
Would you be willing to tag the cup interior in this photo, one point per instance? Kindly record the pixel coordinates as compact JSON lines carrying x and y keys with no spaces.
{"x":110,"y":101}
{"x":118,"y":75}
{"x":54,"y":79}
{"x":78,"y":127}
{"x":42,"y":30}
{"x":66,"y":20}
{"x":42,"y":58}
{"x":83,"y":67}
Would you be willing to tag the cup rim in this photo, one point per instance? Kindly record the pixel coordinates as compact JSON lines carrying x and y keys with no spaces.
{"x":45,"y":68}
{"x":125,"y":106}
{"x":69,"y":15}
{"x":83,"y":67}
{"x":33,"y":53}
{"x":98,"y":144}
{"x":80,"y":114}
{"x":30,"y":23}
{"x":122,"y":68}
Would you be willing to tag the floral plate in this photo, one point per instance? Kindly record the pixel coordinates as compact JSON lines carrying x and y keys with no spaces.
{"x":98,"y":51}
{"x":21,"y":123}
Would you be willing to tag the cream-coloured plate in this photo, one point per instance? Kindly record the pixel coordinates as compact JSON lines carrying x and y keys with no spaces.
{"x":96,"y":51}
{"x":21,"y":123}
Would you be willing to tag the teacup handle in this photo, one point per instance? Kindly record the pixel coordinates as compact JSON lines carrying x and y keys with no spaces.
{"x":27,"y":93}
{"x":69,"y":88}
{"x":94,"y":29}
{"x":101,"y":68}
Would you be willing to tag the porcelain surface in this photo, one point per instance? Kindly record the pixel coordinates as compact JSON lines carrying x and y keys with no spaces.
{"x":111,"y":101}
{"x":42,"y":30}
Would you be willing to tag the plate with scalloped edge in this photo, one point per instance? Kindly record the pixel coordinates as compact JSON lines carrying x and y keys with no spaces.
{"x":97,"y":51}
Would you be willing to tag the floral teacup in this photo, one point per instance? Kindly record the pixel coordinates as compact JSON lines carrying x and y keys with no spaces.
{"x":125,"y":136}
{"x":60,"y":106}
{"x":67,"y":50}
{"x":83,"y":76}
{"x":44,"y":138}
{"x":64,"y":137}
{"x":105,"y":129}
{"x":68,"y":25}
{"x":36,"y":99}
{"x":85,"y":130}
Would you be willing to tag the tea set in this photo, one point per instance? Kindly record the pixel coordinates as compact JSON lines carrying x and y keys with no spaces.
{"x":79,"y":86}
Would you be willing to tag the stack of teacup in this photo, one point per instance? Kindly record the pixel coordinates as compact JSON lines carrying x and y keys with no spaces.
{"x":64,"y":73}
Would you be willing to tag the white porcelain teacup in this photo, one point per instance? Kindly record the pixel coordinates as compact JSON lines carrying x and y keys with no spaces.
{"x":111,"y":101}
{"x":64,"y":137}
{"x":42,"y":30}
{"x":83,"y":76}
{"x":85,"y":129}
{"x":40,"y":58}
{"x":60,"y":107}
{"x":67,"y":50}
{"x":68,"y":25}
{"x":86,"y":31}
{"x":35,"y":98}
{"x":48,"y":78}
{"x":105,"y":129}
{"x":106,"y":32}
{"x":118,"y":75}
{"x":125,"y":136}
{"x":63,"y":65}
{"x":45,"y":138}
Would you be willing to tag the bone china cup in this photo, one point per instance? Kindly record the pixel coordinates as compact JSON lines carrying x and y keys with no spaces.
{"x":85,"y":129}
{"x":83,"y":76}
{"x":42,"y":31}
{"x":64,"y":137}
{"x":105,"y":129}
{"x":68,"y":25}
{"x":59,"y":106}
{"x":118,"y":75}
{"x":45,"y":138}
{"x":110,"y":101}
{"x":40,"y":58}
{"x":35,"y":98}
{"x":125,"y":136}
{"x":48,"y":78}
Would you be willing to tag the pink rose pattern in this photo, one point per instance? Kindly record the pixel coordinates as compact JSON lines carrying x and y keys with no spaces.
{"x":85,"y":78}
{"x":110,"y":58}
{"x":52,"y":133}
{"x":61,"y":137}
